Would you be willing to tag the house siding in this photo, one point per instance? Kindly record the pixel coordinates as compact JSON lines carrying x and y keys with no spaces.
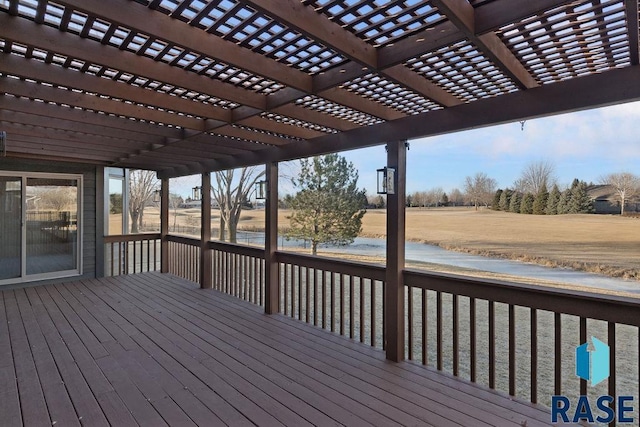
{"x":90,"y":215}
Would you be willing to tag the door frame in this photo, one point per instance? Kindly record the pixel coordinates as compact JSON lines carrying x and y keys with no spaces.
{"x":24,"y":277}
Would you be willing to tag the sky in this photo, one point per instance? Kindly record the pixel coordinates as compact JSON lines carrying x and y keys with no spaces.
{"x":584,"y":145}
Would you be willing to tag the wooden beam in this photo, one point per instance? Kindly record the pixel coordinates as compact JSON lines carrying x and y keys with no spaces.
{"x":50,"y":39}
{"x":205,"y":233}
{"x":126,"y":136}
{"x":272,"y":271}
{"x":631,"y":9}
{"x":158,"y":25}
{"x":462,"y":14}
{"x":82,"y":100}
{"x":285,"y":129}
{"x":498,"y":13}
{"x":306,"y":20}
{"x":56,"y":75}
{"x":394,"y":290}
{"x":597,"y":90}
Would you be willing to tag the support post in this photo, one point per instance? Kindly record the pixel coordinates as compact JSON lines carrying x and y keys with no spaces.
{"x":205,"y":233}
{"x":164,"y":225}
{"x":394,"y":288}
{"x":272,"y":277}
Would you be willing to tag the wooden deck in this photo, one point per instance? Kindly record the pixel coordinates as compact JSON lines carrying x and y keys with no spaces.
{"x":152,"y":349}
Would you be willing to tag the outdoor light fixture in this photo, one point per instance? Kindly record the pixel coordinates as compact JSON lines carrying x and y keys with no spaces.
{"x":156,"y":196}
{"x":196,"y":193}
{"x":3,"y":143}
{"x":261,"y":190}
{"x":386,"y":181}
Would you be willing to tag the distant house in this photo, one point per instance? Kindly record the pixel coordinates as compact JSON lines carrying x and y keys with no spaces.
{"x":605,"y":200}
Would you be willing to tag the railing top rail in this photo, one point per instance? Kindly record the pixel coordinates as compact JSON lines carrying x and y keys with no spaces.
{"x":235,"y":248}
{"x":612,"y":308}
{"x":359,"y":269}
{"x":183,"y":240}
{"x":131,"y":237}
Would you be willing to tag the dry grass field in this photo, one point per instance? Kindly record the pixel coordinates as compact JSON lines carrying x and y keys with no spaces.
{"x":598,"y":243}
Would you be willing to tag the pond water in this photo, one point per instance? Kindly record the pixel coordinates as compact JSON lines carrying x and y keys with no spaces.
{"x":433,"y":254}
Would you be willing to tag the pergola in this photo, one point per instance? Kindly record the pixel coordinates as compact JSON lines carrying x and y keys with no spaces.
{"x":191,"y":86}
{"x":187,"y":87}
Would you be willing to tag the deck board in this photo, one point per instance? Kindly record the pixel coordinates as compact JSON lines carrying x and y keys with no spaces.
{"x":152,"y":349}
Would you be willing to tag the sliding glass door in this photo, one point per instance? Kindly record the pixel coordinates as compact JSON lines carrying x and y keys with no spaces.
{"x":40,"y":224}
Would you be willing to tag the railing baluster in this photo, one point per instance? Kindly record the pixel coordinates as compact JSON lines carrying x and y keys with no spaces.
{"x":410,"y":321}
{"x":492,"y":345}
{"x":472,"y":340}
{"x":373,"y":312}
{"x":286,"y":290}
{"x":342,"y":307}
{"x":362,"y":309}
{"x":113,"y":258}
{"x":384,"y":317}
{"x":512,"y":350}
{"x":324,"y":299}
{"x":557,"y":324}
{"x":456,"y":335}
{"x":611,"y":342}
{"x":583,"y":339}
{"x":308,"y":296}
{"x":534,"y":355}
{"x":439,"y":330}
{"x":299,"y":292}
{"x":424,"y":327}
{"x":315,"y":297}
{"x":352,"y":310}
{"x":333,"y":302}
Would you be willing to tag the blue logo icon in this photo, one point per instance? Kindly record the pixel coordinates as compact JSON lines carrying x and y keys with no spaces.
{"x":593,"y":365}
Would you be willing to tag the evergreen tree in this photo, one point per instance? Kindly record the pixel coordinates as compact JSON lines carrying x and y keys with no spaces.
{"x":580,"y":200}
{"x":329,"y":206}
{"x":515,"y":201}
{"x":495,"y":204}
{"x":553,"y":200}
{"x":505,"y":198}
{"x":444,"y":200}
{"x":540,"y":202}
{"x":526,"y":207}
{"x":564,"y":202}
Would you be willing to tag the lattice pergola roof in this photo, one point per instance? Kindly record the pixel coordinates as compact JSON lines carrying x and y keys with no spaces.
{"x":186,"y":86}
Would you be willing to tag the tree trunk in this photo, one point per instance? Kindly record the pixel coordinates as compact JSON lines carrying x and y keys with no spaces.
{"x":135,"y":214}
{"x":223,"y":230}
{"x":314,"y":247}
{"x":233,"y":232}
{"x":622,"y":205}
{"x":140,"y":219}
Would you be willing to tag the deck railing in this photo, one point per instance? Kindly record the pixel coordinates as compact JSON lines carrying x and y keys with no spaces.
{"x":132,"y":253}
{"x":340,"y":296}
{"x":184,"y":257}
{"x":239,"y":271}
{"x":519,"y":339}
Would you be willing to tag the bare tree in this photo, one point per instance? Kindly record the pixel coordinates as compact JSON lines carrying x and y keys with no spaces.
{"x":456,"y":198}
{"x":480,"y":189}
{"x":59,"y":198}
{"x":231,"y":192}
{"x":142,"y":184}
{"x":536,"y":175}
{"x":433,"y":196}
{"x":419,"y":198}
{"x":625,"y":184}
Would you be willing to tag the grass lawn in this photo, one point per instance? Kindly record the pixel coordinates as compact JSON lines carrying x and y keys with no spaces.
{"x":607,"y":244}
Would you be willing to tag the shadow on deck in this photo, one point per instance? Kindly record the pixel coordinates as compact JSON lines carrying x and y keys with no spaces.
{"x":153,"y":349}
